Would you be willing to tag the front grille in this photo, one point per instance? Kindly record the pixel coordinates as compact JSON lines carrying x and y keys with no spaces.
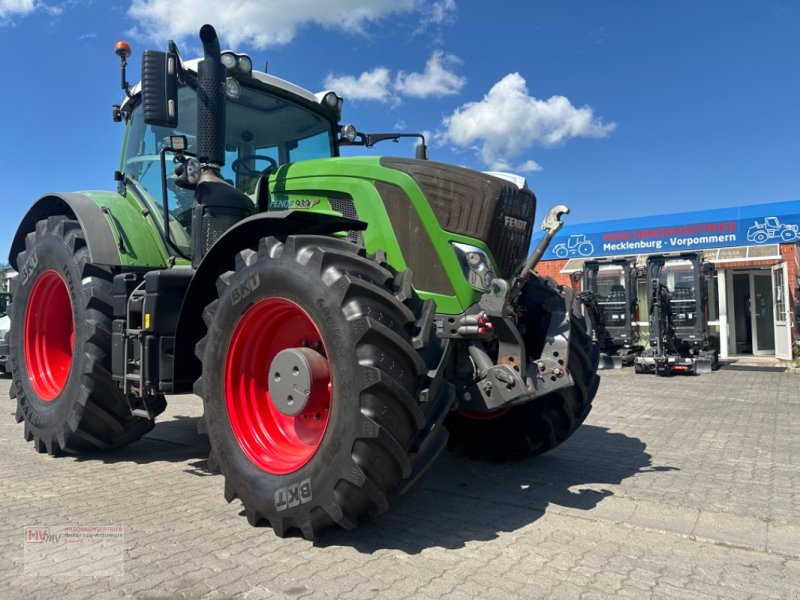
{"x":512,"y":225}
{"x":477,"y":205}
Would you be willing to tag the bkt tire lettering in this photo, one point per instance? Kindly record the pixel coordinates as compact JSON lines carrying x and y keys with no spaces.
{"x":293,"y":495}
{"x":243,"y":290}
{"x":29,"y":267}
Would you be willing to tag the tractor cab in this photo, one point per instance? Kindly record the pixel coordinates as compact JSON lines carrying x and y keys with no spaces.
{"x":268,"y":123}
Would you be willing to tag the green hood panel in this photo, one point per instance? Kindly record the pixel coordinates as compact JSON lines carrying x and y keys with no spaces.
{"x":401,"y":220}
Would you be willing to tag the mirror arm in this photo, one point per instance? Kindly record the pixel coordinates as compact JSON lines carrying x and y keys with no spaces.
{"x":125,"y":85}
{"x":165,"y":200}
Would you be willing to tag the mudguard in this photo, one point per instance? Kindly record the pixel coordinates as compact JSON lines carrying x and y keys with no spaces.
{"x":220,"y":258}
{"x":118,"y":234}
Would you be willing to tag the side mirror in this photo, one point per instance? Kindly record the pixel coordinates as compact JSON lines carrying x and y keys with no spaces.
{"x":160,"y":88}
{"x":421,"y":151}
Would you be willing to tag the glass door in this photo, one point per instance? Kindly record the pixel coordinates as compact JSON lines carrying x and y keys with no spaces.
{"x":761,"y":312}
{"x":783,"y":323}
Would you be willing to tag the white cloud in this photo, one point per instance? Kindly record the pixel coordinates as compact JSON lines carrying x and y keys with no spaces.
{"x":508,"y":121}
{"x":529,"y":166}
{"x":22,"y":8}
{"x":377,"y":84}
{"x":442,"y":12}
{"x":370,"y":85}
{"x":435,"y":16}
{"x":257,"y":22}
{"x":9,"y":8}
{"x":436,"y":80}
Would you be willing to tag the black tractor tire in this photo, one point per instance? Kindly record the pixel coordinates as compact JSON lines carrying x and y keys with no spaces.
{"x":60,"y":371}
{"x":540,"y":425}
{"x":365,"y":320}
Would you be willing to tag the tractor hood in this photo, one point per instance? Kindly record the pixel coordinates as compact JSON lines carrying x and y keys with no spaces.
{"x":484,"y":206}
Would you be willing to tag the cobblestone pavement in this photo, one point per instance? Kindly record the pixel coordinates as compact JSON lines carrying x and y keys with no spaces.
{"x":674,"y":488}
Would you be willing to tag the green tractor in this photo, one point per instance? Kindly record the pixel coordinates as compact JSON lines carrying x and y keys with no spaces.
{"x":242,"y":259}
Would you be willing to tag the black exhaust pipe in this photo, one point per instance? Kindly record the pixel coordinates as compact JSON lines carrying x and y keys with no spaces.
{"x":208,"y":36}
{"x":217,"y":204}
{"x":211,"y":75}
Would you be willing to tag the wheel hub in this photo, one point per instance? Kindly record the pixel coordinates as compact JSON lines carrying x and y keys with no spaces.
{"x":296,"y":377}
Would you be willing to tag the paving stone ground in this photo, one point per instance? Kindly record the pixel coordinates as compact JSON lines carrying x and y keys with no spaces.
{"x":673,"y":488}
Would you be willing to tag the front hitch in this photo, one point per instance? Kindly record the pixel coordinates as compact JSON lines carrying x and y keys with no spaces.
{"x":512,"y":378}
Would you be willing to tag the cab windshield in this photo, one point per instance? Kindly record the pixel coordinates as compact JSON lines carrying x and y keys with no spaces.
{"x":263,"y":130}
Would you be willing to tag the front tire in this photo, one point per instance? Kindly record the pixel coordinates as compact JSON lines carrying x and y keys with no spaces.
{"x":344,"y":450}
{"x":543,"y":423}
{"x":60,"y":342}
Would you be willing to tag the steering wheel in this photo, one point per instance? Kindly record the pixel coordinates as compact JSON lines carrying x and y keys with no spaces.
{"x":240,"y":166}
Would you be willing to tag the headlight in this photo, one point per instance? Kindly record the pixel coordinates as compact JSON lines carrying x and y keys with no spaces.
{"x":228,"y":59}
{"x":475,"y":265}
{"x":240,"y":63}
{"x":331,"y":100}
{"x":245,"y":65}
{"x":348,"y":133}
{"x":232,"y":88}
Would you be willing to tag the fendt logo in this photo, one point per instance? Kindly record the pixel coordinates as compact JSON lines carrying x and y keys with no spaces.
{"x":293,"y":495}
{"x":517,"y":224}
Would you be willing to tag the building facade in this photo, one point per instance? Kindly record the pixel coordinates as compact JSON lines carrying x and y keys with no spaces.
{"x":755,"y":250}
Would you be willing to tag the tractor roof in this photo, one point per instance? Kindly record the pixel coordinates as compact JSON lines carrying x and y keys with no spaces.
{"x":271,"y":80}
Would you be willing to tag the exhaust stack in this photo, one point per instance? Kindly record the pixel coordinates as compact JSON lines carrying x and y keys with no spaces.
{"x":217,"y":204}
{"x":211,"y":75}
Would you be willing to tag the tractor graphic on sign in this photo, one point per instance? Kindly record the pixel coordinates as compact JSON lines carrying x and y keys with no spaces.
{"x":576,"y":245}
{"x":772,"y":229}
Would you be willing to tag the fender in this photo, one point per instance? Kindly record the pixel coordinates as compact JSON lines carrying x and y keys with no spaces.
{"x":117,"y":232}
{"x":220,"y":258}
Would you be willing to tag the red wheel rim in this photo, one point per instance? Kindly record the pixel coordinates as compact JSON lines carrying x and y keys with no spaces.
{"x":275,"y":442}
{"x":49,"y":335}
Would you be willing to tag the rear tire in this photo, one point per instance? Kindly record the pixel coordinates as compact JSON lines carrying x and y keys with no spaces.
{"x":541,"y":424}
{"x":60,"y":343}
{"x":351,"y":446}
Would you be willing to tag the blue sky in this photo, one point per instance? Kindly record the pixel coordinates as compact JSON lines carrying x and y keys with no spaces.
{"x":617,"y":108}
